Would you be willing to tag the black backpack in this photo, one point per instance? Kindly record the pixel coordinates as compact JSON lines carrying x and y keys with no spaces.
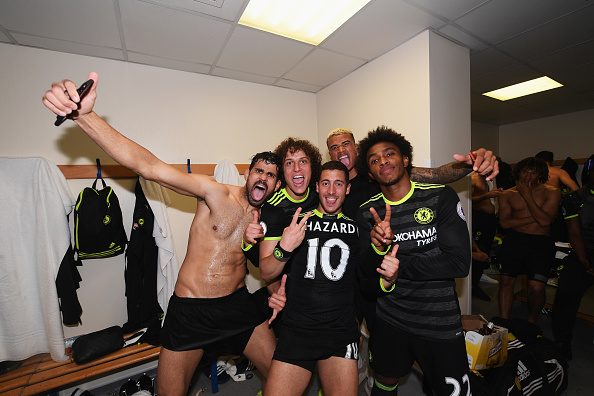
{"x":98,"y":227}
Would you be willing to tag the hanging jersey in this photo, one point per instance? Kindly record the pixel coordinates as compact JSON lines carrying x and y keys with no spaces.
{"x":322,"y":279}
{"x":434,"y":248}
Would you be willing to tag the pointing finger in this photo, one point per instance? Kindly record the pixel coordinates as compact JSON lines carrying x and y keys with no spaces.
{"x":281,"y":289}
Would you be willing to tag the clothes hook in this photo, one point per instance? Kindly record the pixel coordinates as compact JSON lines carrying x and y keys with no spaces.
{"x":98,"y":168}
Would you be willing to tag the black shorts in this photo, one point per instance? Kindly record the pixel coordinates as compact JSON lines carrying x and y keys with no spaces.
{"x":527,"y":253}
{"x":304,"y":347}
{"x":392,"y":353}
{"x":211,"y":323}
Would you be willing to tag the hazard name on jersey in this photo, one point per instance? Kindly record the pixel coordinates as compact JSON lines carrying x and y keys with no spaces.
{"x":331,"y":226}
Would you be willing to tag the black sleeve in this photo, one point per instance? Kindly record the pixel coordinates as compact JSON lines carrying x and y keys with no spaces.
{"x":454,"y":242}
{"x":369,"y":260}
{"x":252,"y":253}
{"x":274,"y":220}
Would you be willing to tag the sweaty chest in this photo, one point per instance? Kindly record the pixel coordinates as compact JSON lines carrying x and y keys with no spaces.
{"x":228,"y":224}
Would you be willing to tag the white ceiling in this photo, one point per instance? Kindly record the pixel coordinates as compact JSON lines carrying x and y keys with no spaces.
{"x":510,"y":41}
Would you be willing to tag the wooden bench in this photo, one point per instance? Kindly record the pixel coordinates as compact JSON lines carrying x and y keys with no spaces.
{"x":40,"y":374}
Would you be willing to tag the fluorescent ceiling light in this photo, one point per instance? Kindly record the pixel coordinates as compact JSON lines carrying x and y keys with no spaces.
{"x":523,"y":89}
{"x":310,"y":21}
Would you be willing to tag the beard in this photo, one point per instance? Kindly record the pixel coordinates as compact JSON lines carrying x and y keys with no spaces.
{"x":257,"y":193}
{"x":390,"y":182}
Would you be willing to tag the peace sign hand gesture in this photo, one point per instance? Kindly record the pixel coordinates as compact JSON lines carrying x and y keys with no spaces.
{"x":381,"y":233}
{"x":293,"y":234}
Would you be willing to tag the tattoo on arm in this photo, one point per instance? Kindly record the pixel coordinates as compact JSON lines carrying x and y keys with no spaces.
{"x":444,"y":174}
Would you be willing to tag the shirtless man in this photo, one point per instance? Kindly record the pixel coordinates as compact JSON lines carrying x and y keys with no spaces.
{"x":556,"y":175}
{"x":558,"y":178}
{"x":528,"y":211}
{"x":210,"y":288}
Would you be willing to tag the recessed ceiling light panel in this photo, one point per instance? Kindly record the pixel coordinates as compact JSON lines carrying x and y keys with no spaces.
{"x":310,"y":21}
{"x":525,"y":88}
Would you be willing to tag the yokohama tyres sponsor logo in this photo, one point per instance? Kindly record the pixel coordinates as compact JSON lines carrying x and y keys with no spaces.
{"x":422,"y":237}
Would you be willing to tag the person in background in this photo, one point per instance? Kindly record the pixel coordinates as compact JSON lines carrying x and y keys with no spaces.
{"x":557,"y":176}
{"x":527,"y":210}
{"x":577,"y":275}
{"x":484,"y":226}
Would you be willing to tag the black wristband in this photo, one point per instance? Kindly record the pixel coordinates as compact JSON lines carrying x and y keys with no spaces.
{"x":281,"y":254}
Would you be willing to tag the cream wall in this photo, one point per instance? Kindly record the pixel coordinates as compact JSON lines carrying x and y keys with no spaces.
{"x":567,"y":135}
{"x":420,"y":89}
{"x":392,"y":90}
{"x":177,"y":115}
{"x":450,"y":123}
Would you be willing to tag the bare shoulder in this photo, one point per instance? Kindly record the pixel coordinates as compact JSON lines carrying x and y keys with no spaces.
{"x":551,"y":191}
{"x":556,"y":171}
{"x":507,"y":196}
{"x":234,"y":191}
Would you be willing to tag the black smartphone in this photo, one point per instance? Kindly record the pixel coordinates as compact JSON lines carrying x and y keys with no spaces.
{"x":82,"y":91}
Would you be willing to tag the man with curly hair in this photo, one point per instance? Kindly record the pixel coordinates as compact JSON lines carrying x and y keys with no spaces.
{"x":420,"y":241}
{"x":527,"y":210}
{"x":342,"y":147}
{"x":301,"y":162}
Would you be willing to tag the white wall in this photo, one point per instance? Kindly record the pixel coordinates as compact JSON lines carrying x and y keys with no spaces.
{"x":450,"y":123}
{"x":177,"y":115}
{"x":567,"y":135}
{"x":392,"y":90}
{"x":420,"y":89}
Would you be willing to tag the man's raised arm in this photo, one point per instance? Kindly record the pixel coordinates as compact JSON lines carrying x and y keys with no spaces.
{"x":485,"y":164}
{"x":63,"y":100}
